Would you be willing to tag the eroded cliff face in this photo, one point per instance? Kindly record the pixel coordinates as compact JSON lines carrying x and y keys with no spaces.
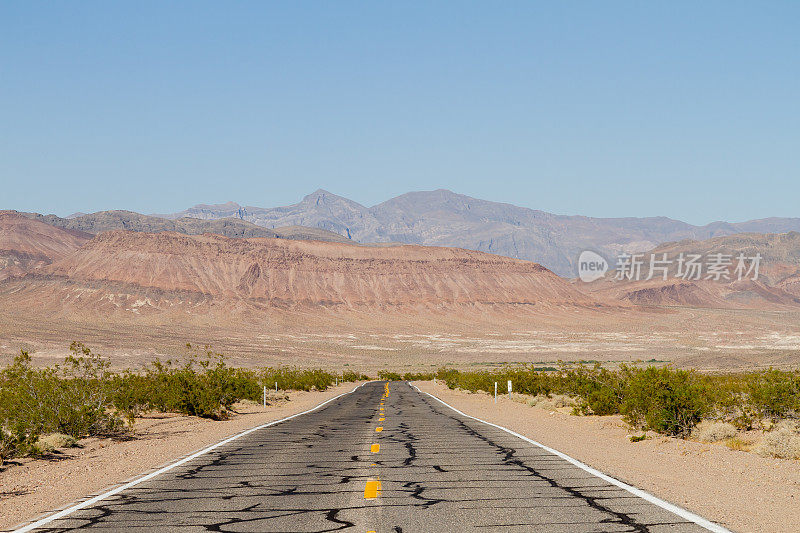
{"x":310,"y":273}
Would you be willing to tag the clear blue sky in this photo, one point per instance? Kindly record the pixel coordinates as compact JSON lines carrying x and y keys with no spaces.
{"x":687,"y":109}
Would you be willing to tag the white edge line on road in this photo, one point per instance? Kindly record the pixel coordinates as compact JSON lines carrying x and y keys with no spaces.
{"x":683,"y":513}
{"x":91,"y":501}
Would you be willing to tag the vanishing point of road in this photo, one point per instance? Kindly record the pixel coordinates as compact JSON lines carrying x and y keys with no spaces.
{"x":384,"y":458}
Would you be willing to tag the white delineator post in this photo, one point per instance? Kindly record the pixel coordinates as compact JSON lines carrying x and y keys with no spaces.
{"x":276,"y":386}
{"x":495,"y":392}
{"x":509,"y":388}
{"x":265,"y":395}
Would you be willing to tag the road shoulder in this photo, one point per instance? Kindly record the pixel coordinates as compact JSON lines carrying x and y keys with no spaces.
{"x":739,"y":490}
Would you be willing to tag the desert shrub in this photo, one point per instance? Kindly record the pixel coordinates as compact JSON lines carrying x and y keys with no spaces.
{"x":290,"y":378}
{"x":471,"y":381}
{"x":738,"y":444}
{"x":196,"y":388}
{"x":600,"y":390}
{"x":552,"y":403}
{"x":418,"y":376}
{"x":663,"y":399}
{"x":525,"y":380}
{"x":9,"y":445}
{"x":131,"y":394}
{"x":51,"y":442}
{"x":388,"y":375}
{"x":82,"y":397}
{"x":447,"y":375}
{"x":774,"y":394}
{"x":713,"y":431}
{"x":350,"y":375}
{"x":72,"y":399}
{"x":782,"y":442}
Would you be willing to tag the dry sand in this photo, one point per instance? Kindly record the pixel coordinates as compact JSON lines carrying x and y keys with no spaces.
{"x":706,"y":339}
{"x":738,"y":489}
{"x":32,"y":487}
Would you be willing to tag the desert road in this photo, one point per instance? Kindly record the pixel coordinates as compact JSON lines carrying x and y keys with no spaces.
{"x":384,"y":458}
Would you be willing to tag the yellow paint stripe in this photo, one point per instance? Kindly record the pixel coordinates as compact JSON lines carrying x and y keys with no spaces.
{"x":373,"y":489}
{"x":381,"y":419}
{"x":375,"y":448}
{"x":379,"y":429}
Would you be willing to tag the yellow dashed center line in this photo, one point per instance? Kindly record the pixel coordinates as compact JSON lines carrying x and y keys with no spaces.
{"x":373,"y":489}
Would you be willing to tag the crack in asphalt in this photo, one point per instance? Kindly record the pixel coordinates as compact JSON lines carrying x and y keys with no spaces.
{"x":438,"y":471}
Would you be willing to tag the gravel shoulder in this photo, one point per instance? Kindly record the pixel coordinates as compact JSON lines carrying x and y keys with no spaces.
{"x":30,"y":488}
{"x":740,"y":490}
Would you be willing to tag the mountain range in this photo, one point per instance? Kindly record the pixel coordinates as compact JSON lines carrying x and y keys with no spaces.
{"x":138,"y":273}
{"x":444,"y":218}
{"x":103,"y":221}
{"x":150,"y":257}
{"x":155,"y":285}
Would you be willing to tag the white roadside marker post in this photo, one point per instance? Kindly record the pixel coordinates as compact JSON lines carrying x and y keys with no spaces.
{"x":276,"y":386}
{"x":495,"y":392}
{"x":434,"y":381}
{"x":265,"y":395}
{"x":509,"y":388}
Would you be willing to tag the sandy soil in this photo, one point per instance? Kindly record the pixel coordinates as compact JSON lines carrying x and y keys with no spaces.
{"x":33,"y":487}
{"x":738,"y":489}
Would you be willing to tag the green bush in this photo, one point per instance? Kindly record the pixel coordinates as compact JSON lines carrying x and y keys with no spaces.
{"x":418,"y":376}
{"x":659,"y":398}
{"x":664,"y":400}
{"x":290,"y":378}
{"x":386,"y":375}
{"x":774,"y":394}
{"x":350,"y":375}
{"x":600,"y":390}
{"x":72,"y":399}
{"x":83,"y":397}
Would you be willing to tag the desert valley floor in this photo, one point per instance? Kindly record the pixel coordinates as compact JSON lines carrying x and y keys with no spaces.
{"x":706,"y":339}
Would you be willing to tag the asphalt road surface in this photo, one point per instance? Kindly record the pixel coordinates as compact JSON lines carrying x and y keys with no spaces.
{"x":369,"y":461}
